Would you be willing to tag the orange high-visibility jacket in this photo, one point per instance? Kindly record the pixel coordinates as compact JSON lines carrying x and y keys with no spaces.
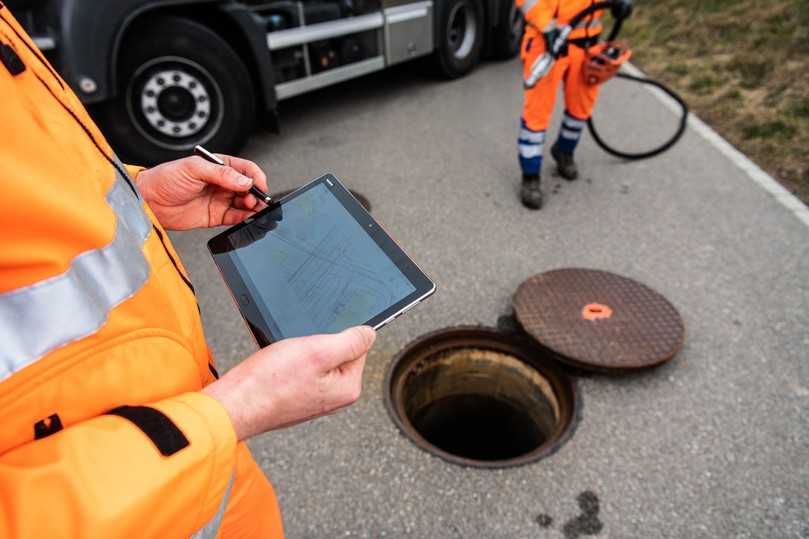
{"x":544,"y":15}
{"x":103,"y":430}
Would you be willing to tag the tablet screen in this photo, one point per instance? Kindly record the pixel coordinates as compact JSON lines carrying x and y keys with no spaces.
{"x":310,"y":267}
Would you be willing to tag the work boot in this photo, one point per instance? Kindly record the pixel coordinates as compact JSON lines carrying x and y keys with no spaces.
{"x":531,"y":194}
{"x":564,"y":163}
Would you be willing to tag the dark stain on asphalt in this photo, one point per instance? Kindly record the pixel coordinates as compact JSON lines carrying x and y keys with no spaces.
{"x":587,"y":523}
{"x":544,"y":520}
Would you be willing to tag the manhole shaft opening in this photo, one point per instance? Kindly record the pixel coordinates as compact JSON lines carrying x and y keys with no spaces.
{"x":477,"y":397}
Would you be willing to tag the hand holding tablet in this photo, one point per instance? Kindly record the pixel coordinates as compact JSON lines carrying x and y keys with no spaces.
{"x":293,"y":381}
{"x":316,"y":262}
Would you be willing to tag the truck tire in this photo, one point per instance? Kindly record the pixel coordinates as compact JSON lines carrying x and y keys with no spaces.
{"x":508,"y":31}
{"x":460,"y":36}
{"x":180,"y":84}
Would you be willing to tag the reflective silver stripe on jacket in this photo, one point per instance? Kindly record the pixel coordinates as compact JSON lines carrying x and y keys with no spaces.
{"x":212,"y":528}
{"x":49,"y":314}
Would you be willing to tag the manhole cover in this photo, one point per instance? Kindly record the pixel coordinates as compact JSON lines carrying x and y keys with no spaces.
{"x":477,"y":397}
{"x":359,"y":196}
{"x":598,"y":320}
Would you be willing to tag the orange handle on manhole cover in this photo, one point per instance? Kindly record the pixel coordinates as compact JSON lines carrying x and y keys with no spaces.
{"x":595,"y":311}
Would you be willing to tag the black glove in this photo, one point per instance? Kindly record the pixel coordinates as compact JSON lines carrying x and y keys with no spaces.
{"x":622,"y":9}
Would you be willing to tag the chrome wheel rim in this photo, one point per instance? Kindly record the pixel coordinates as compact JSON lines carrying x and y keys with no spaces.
{"x":174,"y":102}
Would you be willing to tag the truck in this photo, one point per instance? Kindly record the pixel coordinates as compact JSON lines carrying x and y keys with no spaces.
{"x":161,"y":76}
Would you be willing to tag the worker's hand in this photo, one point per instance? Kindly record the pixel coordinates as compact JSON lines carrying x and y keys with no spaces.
{"x":294,"y":380}
{"x":193,"y":193}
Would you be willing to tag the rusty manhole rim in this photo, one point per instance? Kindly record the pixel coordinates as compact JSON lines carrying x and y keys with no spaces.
{"x":487,"y":338}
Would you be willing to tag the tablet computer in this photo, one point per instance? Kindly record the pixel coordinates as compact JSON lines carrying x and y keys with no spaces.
{"x":316,"y":262}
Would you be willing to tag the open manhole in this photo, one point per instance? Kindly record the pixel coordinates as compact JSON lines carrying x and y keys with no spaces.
{"x":364,"y":202}
{"x":478,"y":397}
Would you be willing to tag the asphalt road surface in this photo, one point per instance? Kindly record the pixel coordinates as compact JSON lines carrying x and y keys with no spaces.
{"x":713,"y":444}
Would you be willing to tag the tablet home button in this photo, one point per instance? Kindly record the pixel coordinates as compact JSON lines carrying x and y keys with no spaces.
{"x":244,"y":299}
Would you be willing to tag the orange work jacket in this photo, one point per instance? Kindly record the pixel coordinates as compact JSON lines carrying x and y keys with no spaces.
{"x":104,"y":432}
{"x":544,"y":15}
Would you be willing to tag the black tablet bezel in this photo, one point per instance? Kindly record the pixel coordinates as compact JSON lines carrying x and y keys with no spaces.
{"x":258,"y":319}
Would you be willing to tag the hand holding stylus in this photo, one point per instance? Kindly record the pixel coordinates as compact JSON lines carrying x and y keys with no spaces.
{"x":195,"y":193}
{"x":208,"y":156}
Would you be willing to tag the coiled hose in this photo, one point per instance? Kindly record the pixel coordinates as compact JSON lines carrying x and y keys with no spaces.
{"x":632,"y":156}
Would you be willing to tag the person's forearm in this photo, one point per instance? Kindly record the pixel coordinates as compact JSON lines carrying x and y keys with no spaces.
{"x":100,"y":474}
{"x":135,"y":175}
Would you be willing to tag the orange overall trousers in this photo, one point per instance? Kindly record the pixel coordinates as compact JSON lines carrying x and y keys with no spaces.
{"x":543,"y":16}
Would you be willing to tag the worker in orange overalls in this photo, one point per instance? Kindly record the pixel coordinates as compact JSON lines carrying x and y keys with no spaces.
{"x":545,"y":21}
{"x":114,"y":423}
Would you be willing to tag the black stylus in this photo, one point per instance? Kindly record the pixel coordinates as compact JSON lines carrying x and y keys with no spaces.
{"x":208,"y":156}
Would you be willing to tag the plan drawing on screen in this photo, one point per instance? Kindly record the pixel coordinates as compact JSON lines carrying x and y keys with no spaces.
{"x":325,"y":270}
{"x":334,"y":288}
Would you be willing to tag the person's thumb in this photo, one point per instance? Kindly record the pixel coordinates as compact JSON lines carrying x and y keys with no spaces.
{"x":221,"y":175}
{"x":349,"y":345}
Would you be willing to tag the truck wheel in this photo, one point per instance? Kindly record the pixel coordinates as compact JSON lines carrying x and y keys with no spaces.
{"x":507,"y":34}
{"x":180,"y":85}
{"x":460,"y":39}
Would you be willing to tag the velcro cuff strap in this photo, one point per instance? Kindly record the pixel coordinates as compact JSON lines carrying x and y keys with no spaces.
{"x":161,"y":430}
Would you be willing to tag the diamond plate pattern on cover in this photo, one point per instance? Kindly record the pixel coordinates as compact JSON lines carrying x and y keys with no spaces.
{"x":642,"y":330}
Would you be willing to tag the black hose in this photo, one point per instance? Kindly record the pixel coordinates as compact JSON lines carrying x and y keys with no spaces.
{"x":586,"y":12}
{"x":656,"y":151}
{"x":616,"y":29}
{"x":607,"y":4}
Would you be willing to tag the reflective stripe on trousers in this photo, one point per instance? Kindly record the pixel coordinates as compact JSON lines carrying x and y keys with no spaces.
{"x":41,"y":317}
{"x":210,"y":530}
